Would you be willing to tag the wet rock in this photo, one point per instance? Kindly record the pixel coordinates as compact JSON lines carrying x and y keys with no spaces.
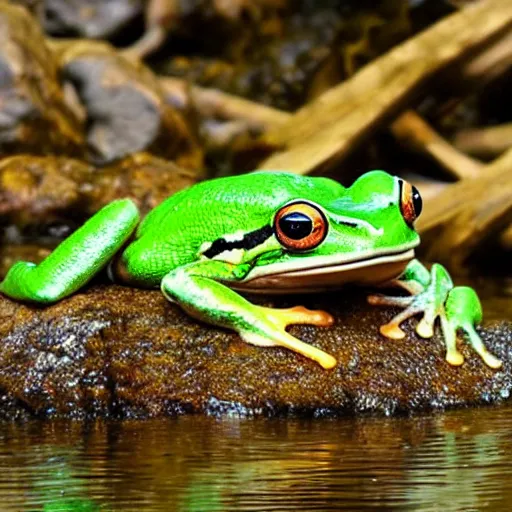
{"x":39,"y":189}
{"x":91,"y":19}
{"x":124,"y":352}
{"x":34,"y":116}
{"x":43,"y":191}
{"x":125,"y":106}
{"x":145,"y":178}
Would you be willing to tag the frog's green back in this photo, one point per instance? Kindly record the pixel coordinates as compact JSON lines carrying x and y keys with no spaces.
{"x":247,"y":201}
{"x":173,"y":232}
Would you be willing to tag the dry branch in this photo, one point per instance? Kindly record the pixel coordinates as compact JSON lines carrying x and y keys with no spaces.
{"x":485,"y":142}
{"x":466,"y":213}
{"x":418,"y":135}
{"x":409,"y":128}
{"x":488,"y":64}
{"x":329,"y":127}
{"x":160,"y":16}
{"x":221,"y":105}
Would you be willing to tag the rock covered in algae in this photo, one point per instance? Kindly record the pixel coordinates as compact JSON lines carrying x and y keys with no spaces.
{"x":124,"y":352}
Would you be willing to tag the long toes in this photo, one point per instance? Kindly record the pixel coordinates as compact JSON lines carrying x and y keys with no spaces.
{"x":392,"y":331}
{"x":375,"y":300}
{"x":479,"y":347}
{"x":326,"y":361}
{"x":301,"y":315}
{"x":318,"y":317}
{"x":386,"y":300}
{"x":491,"y":360}
{"x":286,"y":340}
{"x":425,"y":328}
{"x":454,"y":357}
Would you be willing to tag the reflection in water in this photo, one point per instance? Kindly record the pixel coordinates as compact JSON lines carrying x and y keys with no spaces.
{"x":59,"y":490}
{"x":456,"y":461}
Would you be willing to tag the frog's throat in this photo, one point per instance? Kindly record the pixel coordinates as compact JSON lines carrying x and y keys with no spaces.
{"x":327,"y":272}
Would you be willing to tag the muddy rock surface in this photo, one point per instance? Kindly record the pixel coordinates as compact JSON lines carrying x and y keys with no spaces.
{"x":122,"y":352}
{"x":40,"y":190}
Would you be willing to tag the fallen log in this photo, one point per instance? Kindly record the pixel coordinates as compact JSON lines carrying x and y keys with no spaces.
{"x":467,"y":213}
{"x":325,"y":130}
{"x":485,"y":142}
{"x":415,"y":133}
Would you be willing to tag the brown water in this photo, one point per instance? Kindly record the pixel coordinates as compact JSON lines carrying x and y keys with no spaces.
{"x":456,"y":461}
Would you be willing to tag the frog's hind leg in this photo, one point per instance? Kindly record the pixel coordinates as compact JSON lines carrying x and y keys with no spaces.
{"x":77,"y":259}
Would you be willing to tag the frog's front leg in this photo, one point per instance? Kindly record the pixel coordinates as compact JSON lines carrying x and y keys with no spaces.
{"x":433,"y":295}
{"x":196,"y":288}
{"x":76,"y":260}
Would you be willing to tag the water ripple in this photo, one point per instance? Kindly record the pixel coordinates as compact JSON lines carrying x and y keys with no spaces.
{"x":450,"y":462}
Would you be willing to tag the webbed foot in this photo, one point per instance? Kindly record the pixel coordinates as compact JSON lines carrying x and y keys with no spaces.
{"x":277,"y":336}
{"x":457,"y":308}
{"x":464,"y":311}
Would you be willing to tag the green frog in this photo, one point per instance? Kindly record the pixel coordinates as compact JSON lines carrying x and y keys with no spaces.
{"x":265,"y":232}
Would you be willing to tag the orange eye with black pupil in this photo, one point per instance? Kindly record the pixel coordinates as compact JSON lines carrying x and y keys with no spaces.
{"x":300,"y":226}
{"x":411,"y":203}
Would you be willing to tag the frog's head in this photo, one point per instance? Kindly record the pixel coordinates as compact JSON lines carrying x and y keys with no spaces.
{"x":365,"y":234}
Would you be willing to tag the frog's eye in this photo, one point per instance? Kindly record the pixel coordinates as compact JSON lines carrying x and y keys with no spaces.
{"x":300,"y":226}
{"x":410,"y":202}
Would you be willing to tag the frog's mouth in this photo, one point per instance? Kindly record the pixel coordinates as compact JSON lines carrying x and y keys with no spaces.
{"x":325,"y":272}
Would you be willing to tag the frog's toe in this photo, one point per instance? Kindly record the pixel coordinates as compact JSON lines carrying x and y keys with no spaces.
{"x":392,"y":330}
{"x":299,"y":315}
{"x":454,"y":357}
{"x":425,"y":328}
{"x":479,"y":347}
{"x":491,"y":360}
{"x":388,"y":300}
{"x":284,"y":339}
